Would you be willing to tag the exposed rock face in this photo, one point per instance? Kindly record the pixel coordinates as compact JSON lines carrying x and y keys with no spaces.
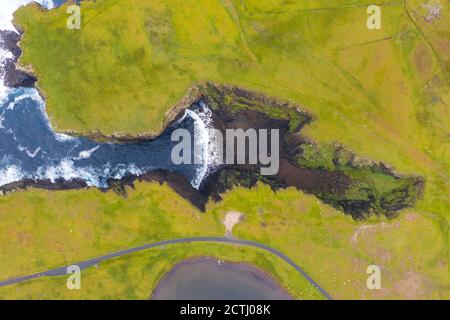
{"x":17,"y":78}
{"x":8,"y":42}
{"x":14,"y":77}
{"x":359,"y":187}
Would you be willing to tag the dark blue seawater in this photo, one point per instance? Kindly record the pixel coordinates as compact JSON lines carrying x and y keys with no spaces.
{"x":29,"y":148}
{"x":57,"y":3}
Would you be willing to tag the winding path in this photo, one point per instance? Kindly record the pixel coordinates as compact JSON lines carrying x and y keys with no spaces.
{"x":91,"y":262}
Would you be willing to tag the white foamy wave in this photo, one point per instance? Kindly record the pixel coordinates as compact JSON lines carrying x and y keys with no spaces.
{"x":67,"y":171}
{"x":61,"y":137}
{"x":85,"y":154}
{"x":201,"y":136}
{"x":32,"y":93}
{"x":4,"y":91}
{"x":4,"y":56}
{"x":10,"y":174}
{"x":29,"y":93}
{"x":28,"y":152}
{"x":8,"y":7}
{"x":182,"y":118}
{"x":132,"y":169}
{"x":212,"y":148}
{"x":204,"y":141}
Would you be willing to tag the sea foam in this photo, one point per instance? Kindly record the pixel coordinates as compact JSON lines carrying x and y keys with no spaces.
{"x":8,"y":7}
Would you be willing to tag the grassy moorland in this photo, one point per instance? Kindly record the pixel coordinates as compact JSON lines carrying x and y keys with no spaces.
{"x":136,"y":276}
{"x":49,"y":229}
{"x":383,"y":94}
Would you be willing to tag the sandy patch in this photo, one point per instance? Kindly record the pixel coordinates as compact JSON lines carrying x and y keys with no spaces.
{"x":231,"y":219}
{"x":367,"y":228}
{"x":412,"y":286}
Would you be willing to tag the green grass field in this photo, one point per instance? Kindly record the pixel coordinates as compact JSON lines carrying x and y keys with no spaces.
{"x":49,"y":229}
{"x":135,"y":277}
{"x":383,"y":94}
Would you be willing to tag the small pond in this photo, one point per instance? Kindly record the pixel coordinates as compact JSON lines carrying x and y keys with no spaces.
{"x":206,"y":279}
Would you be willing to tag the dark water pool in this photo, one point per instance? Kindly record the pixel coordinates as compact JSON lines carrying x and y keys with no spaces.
{"x":204,"y":278}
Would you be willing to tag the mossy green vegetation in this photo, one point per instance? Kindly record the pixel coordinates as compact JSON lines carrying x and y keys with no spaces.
{"x":373,"y":188}
{"x":356,"y":185}
{"x":232,"y":100}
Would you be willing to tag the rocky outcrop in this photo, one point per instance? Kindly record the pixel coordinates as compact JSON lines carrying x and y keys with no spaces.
{"x":357,"y":186}
{"x":14,"y":77}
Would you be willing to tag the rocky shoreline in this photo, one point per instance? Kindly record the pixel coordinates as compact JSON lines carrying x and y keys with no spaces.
{"x":237,"y":108}
{"x":335,"y":187}
{"x":14,"y":76}
{"x":336,"y":184}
